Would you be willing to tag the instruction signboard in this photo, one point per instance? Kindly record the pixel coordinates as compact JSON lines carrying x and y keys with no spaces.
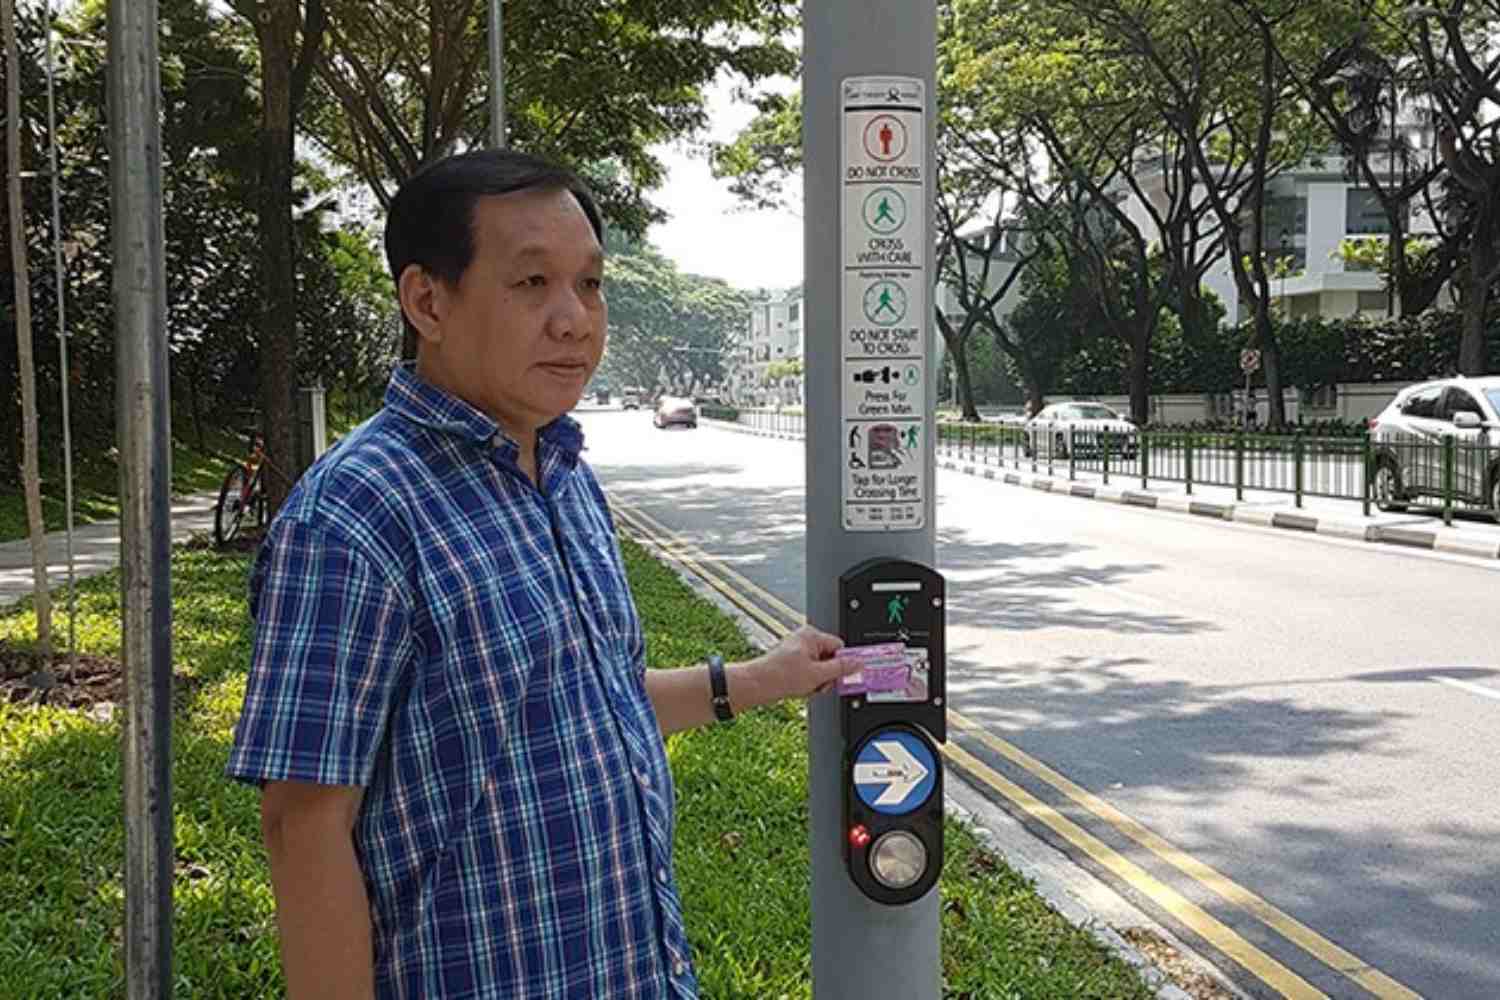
{"x":884,"y":304}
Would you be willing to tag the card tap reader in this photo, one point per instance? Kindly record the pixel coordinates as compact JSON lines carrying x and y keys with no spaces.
{"x":893,"y":716}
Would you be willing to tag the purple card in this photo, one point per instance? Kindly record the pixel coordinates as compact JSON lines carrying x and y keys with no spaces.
{"x":885,"y":668}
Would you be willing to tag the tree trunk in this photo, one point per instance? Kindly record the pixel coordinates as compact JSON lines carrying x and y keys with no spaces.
{"x":1036,"y":396}
{"x":276,"y":29}
{"x":1477,"y":293}
{"x":1140,"y":378}
{"x":31,"y":477}
{"x":1471,"y":360}
{"x":962,"y":386}
{"x":1270,"y":359}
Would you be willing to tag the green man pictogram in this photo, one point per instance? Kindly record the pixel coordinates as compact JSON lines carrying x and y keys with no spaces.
{"x":895,"y":610}
{"x":885,"y":303}
{"x":884,"y":213}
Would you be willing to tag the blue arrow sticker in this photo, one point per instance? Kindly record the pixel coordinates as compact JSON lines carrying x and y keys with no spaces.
{"x":895,"y":771}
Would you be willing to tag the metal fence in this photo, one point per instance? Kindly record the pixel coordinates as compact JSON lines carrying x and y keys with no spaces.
{"x":1445,"y":472}
{"x":777,"y":421}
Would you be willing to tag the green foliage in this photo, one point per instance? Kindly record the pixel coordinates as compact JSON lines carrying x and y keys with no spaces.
{"x":597,"y":85}
{"x":209,"y":115}
{"x":664,"y":324}
{"x":1316,"y":351}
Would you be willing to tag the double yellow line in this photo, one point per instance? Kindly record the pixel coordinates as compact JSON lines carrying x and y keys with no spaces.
{"x":777,"y":618}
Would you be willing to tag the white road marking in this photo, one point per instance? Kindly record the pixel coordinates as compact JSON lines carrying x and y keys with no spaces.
{"x":1472,"y":688}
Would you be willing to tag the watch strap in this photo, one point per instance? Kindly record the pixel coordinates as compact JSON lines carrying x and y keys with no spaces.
{"x":719,"y":687}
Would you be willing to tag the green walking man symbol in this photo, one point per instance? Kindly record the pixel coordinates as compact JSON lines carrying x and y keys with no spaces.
{"x":884,"y":214}
{"x":911,"y":436}
{"x":895,"y":610}
{"x":886,"y":305}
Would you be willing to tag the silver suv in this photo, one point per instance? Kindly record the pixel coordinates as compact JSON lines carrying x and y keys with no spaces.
{"x":1409,"y":436}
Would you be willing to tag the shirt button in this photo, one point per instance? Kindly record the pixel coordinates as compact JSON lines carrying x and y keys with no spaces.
{"x":679,"y":968}
{"x":643,"y":778}
{"x":663,"y":876}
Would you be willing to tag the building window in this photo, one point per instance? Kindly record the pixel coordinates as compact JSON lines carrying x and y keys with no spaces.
{"x":1365,"y":216}
{"x":794,"y":311}
{"x":1373,"y":302}
{"x":1285,"y":214}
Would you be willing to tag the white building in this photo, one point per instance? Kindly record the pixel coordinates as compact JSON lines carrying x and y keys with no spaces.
{"x":773,"y":333}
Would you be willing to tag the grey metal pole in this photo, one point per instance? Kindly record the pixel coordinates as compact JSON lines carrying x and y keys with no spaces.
{"x":861,"y":949}
{"x":140,"y":300}
{"x":62,"y":344}
{"x":497,"y":75}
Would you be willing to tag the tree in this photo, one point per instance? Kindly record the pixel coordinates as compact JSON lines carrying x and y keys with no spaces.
{"x":1458,"y":67}
{"x":31,"y":473}
{"x":1052,"y":320}
{"x":286,"y":65}
{"x":662,"y":321}
{"x":1050,"y":106}
{"x":594,"y":85}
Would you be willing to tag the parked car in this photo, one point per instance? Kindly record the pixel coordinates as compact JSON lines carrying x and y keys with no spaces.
{"x":1063,"y":429}
{"x":602,"y":397}
{"x":1408,"y":440}
{"x":675,"y":410}
{"x":631,"y":401}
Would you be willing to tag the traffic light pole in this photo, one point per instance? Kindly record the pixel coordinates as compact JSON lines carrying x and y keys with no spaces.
{"x":143,"y":436}
{"x":868,"y":132}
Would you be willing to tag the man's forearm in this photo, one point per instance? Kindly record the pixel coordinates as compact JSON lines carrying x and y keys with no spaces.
{"x":323,"y":913}
{"x":683,"y":698}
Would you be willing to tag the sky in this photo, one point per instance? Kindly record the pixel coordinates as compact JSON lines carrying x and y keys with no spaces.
{"x":709,"y":232}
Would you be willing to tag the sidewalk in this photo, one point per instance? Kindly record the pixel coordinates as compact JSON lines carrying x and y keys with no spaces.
{"x":1472,"y":534}
{"x":96,"y":548}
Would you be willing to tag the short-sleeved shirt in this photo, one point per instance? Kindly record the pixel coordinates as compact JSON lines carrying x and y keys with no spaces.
{"x":431,"y":625}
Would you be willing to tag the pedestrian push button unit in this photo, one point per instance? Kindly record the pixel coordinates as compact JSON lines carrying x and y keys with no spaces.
{"x":892,"y":720}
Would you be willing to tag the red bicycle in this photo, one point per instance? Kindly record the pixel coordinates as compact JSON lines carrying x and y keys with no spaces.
{"x":241,"y":494}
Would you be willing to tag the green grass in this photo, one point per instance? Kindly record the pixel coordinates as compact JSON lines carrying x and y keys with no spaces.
{"x":96,"y":486}
{"x":742,"y":812}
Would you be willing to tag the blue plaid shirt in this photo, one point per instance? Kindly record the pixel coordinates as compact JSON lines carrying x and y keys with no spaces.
{"x":433,"y":627}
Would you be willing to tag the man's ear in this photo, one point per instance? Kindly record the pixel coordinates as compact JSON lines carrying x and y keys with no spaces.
{"x":424,"y":301}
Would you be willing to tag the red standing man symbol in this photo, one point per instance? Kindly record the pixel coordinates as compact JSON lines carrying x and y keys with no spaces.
{"x":885,"y":138}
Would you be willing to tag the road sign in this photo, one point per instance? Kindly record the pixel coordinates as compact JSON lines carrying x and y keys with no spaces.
{"x":894,"y":771}
{"x":884,"y":235}
{"x":1249,"y":360}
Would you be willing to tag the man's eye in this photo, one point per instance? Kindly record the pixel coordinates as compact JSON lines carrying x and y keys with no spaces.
{"x":533,"y":281}
{"x":593,"y":284}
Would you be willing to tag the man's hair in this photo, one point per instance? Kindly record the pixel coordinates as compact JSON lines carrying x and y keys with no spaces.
{"x":431,"y":219}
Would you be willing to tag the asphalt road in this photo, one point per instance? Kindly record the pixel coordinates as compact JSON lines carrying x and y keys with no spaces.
{"x":1317,"y":720}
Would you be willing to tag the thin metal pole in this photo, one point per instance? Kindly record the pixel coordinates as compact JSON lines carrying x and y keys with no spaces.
{"x":62,"y":342}
{"x":142,"y":430}
{"x":497,"y":75}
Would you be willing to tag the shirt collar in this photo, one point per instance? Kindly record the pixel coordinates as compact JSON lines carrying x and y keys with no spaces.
{"x":423,"y":403}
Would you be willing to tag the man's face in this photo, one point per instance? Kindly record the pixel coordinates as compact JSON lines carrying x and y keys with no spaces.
{"x":524,"y":329}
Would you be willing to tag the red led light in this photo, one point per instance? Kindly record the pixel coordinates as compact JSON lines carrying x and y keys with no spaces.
{"x":859,"y":837}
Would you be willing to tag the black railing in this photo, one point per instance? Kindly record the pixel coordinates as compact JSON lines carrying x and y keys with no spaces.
{"x":1446,"y":472}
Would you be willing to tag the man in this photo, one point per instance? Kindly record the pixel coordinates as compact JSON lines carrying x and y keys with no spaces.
{"x":466,"y":792}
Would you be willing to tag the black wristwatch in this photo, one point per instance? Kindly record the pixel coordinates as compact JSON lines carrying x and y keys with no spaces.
{"x":720,"y":688}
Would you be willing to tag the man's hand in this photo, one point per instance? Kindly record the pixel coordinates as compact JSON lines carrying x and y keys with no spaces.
{"x":806,"y":662}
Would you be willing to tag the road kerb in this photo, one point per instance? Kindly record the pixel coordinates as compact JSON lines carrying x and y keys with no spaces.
{"x":1466,"y":546}
{"x":1409,"y":537}
{"x":1255,"y":515}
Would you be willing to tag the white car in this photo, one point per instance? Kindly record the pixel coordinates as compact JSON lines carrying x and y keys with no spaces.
{"x":1079,"y":429}
{"x":675,"y":410}
{"x":1408,"y":438}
